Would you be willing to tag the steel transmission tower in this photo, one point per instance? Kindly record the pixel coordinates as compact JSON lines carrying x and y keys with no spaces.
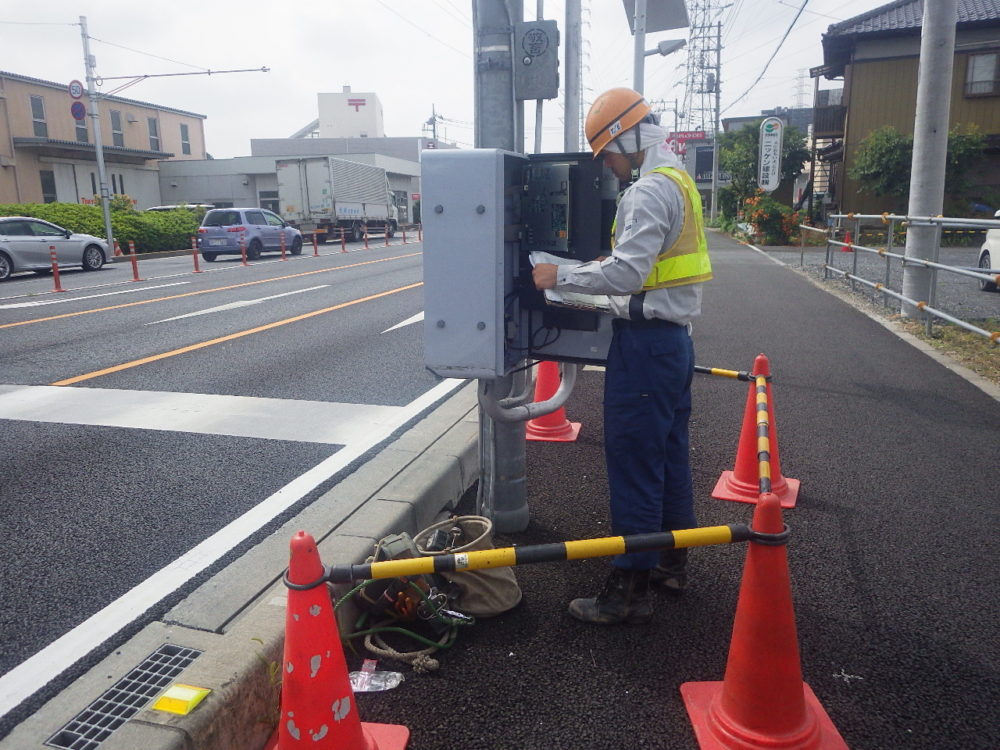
{"x":702,"y":81}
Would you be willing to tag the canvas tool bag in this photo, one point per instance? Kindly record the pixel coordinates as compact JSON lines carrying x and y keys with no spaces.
{"x":481,"y":593}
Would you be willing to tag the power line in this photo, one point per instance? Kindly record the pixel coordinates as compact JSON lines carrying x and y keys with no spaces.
{"x":770,"y":59}
{"x":148,"y":54}
{"x":418,"y":28}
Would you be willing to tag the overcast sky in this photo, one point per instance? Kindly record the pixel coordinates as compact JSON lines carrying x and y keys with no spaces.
{"x":412,"y":53}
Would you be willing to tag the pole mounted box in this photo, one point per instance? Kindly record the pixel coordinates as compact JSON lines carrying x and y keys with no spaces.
{"x":536,"y":60}
{"x":484,"y":211}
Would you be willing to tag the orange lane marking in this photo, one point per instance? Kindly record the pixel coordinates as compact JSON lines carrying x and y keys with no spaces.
{"x":230,"y":337}
{"x":203,"y":291}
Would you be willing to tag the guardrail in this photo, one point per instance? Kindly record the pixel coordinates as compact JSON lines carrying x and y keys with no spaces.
{"x":890,"y":222}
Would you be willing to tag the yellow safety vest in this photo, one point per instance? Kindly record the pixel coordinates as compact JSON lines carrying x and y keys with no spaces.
{"x":686,"y":261}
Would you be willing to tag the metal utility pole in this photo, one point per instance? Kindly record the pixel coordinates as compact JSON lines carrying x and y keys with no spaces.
{"x":95,"y":115}
{"x":930,"y":144}
{"x":502,"y":473}
{"x":639,"y":40}
{"x":574,"y":44}
{"x":433,"y":122}
{"x":715,"y":122}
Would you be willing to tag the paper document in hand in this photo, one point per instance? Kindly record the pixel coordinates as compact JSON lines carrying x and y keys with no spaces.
{"x":575,"y":300}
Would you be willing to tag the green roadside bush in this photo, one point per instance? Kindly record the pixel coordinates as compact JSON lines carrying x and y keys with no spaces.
{"x":151,"y":232}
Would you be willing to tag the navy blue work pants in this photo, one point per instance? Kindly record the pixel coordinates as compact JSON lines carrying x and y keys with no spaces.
{"x":647,"y":405}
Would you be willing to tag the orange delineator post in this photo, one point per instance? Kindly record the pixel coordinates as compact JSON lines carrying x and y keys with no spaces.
{"x":404,"y":235}
{"x":343,"y":240}
{"x":387,"y":236}
{"x":318,"y":707}
{"x":55,"y":269}
{"x":366,"y":236}
{"x":243,"y":249}
{"x":315,"y":246}
{"x":553,"y":427}
{"x":118,"y":250}
{"x":281,"y":242}
{"x":743,"y":483}
{"x":194,"y":254}
{"x":135,"y":261}
{"x":762,"y":702}
{"x":420,"y":232}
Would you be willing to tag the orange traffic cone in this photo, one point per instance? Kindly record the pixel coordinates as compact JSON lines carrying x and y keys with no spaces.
{"x":762,"y":702}
{"x":845,"y":248}
{"x":554,"y":427}
{"x":742,"y":485}
{"x":318,"y":710}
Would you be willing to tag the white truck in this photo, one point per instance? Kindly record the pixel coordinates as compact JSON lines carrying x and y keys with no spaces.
{"x":322,"y":195}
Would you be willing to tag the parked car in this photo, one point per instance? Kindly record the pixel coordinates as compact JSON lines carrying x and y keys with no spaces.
{"x":188,"y":206}
{"x":25,"y":245}
{"x":990,"y":254}
{"x":261,"y":231}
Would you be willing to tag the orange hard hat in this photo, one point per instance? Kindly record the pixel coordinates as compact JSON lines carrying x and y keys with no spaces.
{"x":611,"y":114}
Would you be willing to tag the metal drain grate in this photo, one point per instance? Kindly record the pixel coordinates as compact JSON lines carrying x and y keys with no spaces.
{"x":123,"y":700}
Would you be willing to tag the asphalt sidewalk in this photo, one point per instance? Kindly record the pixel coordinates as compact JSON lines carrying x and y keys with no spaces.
{"x":893,"y":559}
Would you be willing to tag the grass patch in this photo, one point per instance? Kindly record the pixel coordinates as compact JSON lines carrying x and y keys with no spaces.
{"x":970,"y":349}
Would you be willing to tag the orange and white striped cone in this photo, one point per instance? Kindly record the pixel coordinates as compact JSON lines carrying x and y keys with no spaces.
{"x":554,"y":427}
{"x":318,"y":708}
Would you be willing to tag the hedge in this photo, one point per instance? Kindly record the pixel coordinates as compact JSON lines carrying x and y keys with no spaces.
{"x":150,"y":231}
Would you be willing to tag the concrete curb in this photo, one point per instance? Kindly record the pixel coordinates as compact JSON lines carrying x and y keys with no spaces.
{"x":237,"y":617}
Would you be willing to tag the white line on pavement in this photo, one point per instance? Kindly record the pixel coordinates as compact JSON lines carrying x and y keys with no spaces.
{"x":39,"y":303}
{"x":409,"y":321}
{"x":35,"y":672}
{"x":237,"y":305}
{"x":202,"y":413}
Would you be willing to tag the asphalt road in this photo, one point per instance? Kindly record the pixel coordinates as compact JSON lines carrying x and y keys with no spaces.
{"x":184,"y":401}
{"x":892,"y":554}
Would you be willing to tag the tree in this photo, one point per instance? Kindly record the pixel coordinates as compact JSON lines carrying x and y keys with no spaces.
{"x":738,"y":154}
{"x":882,"y":165}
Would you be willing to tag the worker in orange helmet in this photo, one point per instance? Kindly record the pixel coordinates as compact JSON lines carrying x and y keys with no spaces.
{"x":654,"y":277}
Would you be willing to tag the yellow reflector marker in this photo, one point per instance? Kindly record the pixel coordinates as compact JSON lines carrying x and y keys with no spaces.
{"x":181,"y":699}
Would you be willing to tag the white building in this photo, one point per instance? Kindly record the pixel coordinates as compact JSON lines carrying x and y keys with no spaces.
{"x":350,"y":115}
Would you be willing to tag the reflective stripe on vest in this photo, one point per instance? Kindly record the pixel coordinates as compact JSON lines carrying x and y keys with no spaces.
{"x":686,"y":261}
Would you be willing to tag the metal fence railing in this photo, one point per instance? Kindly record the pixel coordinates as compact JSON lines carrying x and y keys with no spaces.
{"x":851,"y":226}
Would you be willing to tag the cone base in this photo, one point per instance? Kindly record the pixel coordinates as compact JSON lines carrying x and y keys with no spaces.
{"x":699,"y":697}
{"x":386,"y":736}
{"x":566,"y":432}
{"x":730,"y":488}
{"x":377,"y":737}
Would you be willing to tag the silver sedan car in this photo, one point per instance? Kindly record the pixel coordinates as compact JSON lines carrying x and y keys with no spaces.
{"x":26,"y":244}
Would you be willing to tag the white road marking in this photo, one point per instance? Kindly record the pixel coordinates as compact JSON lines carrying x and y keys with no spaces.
{"x":35,"y":672}
{"x":205,"y":414}
{"x":238,"y":305}
{"x":39,"y":303}
{"x":409,"y":321}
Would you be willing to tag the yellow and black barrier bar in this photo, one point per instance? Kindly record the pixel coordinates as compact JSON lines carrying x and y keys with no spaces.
{"x":763,"y":436}
{"x":504,"y":557}
{"x":735,"y":374}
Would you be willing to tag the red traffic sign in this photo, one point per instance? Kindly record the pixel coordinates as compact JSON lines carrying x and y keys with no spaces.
{"x":75,"y":89}
{"x":415,"y":196}
{"x":78,"y":111}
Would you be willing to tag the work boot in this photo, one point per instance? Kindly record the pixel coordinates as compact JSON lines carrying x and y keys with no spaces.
{"x":624,"y":598}
{"x":671,"y":573}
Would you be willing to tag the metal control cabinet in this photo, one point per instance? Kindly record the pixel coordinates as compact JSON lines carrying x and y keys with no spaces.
{"x":470,"y":244}
{"x":484,"y":211}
